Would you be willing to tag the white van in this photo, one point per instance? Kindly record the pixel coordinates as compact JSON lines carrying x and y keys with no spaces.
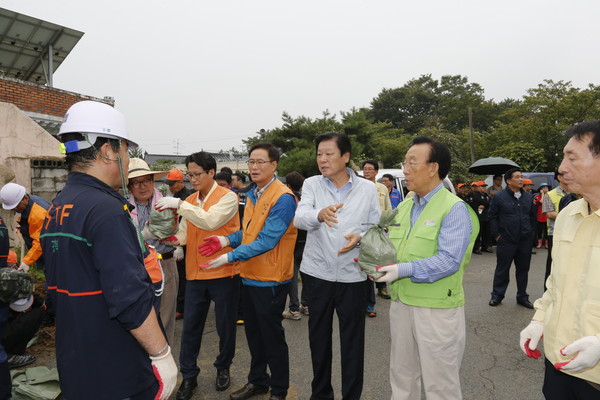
{"x":400,"y":182}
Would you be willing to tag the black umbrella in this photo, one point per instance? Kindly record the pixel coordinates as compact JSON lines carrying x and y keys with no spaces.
{"x":492,"y":166}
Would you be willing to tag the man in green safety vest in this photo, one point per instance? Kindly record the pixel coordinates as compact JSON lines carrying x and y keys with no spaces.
{"x":434,"y":233}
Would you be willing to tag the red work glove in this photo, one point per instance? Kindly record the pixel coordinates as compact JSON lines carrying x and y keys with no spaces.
{"x":212,"y":244}
{"x":530,"y":337}
{"x":216,"y":263}
{"x":588,"y":354}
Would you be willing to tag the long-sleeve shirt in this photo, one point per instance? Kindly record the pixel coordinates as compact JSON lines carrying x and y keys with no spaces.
{"x":278,"y":221}
{"x":570,"y":307}
{"x":360,"y":211}
{"x":453,"y":241}
{"x":208,"y":220}
{"x":31,"y":222}
{"x":512,"y":215}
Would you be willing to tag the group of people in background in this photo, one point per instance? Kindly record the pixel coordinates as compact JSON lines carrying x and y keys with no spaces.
{"x":117,"y":285}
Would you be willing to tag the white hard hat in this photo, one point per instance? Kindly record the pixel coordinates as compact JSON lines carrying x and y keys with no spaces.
{"x":11,"y":194}
{"x":94,"y":119}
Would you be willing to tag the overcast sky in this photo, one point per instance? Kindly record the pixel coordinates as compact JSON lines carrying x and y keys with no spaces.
{"x":210,"y":73}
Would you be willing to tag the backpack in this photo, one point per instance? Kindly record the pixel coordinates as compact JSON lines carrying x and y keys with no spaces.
{"x":14,"y":285}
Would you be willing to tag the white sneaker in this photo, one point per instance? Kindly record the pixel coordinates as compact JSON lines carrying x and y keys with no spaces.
{"x":304,"y":310}
{"x":289,"y":314}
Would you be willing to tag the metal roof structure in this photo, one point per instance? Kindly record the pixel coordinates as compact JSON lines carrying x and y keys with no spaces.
{"x":31,"y":49}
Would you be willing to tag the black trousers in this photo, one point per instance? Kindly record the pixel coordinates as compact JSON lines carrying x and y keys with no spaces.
{"x":506,"y":253}
{"x":266,"y":337}
{"x":20,"y":330}
{"x":348,"y":301}
{"x":560,"y":386}
{"x":548,"y":260}
{"x":199,"y":293}
{"x":182,"y":282}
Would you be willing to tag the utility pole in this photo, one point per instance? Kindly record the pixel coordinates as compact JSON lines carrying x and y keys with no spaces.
{"x":471,"y":135}
{"x":176,"y":147}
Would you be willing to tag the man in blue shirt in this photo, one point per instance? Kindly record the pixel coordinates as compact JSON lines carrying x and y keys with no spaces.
{"x":395,"y":198}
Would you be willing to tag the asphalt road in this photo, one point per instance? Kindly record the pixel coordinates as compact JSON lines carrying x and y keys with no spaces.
{"x":493,"y":367}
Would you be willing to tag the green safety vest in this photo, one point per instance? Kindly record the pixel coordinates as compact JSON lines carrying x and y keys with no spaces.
{"x":422,"y":242}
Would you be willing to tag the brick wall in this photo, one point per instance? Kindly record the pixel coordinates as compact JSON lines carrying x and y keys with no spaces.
{"x":40,"y":99}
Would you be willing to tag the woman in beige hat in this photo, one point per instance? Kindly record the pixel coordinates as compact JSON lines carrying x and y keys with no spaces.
{"x":143,"y":195}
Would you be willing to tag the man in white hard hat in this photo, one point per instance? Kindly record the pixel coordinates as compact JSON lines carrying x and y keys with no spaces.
{"x":109,"y":344}
{"x":143,"y":195}
{"x":33,"y":211}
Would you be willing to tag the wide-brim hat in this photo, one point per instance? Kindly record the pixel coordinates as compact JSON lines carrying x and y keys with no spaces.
{"x":139,"y":167}
{"x":21,"y":304}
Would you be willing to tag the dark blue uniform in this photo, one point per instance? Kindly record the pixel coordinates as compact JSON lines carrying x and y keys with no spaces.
{"x":97,"y":280}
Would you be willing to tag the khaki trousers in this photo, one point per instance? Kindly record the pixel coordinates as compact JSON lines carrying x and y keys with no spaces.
{"x":427,"y":346}
{"x":168,"y":300}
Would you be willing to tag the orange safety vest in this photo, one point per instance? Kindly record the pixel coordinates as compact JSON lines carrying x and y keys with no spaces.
{"x":196,"y":236}
{"x":276,"y":264}
{"x":152,"y":264}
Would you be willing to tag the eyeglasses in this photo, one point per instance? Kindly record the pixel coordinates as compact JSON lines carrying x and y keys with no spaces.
{"x":260,"y":163}
{"x":368,"y":169}
{"x":145,"y":182}
{"x":195,"y":176}
{"x":411,"y":164}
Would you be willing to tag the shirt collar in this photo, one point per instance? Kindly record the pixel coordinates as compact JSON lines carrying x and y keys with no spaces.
{"x":581,"y":206}
{"x":425,"y":199}
{"x":258,"y":193}
{"x":350,"y":182}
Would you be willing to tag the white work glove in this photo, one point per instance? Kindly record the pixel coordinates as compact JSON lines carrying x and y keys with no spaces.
{"x":391,"y":273}
{"x":178,"y":254}
{"x":167,"y":202}
{"x":530,"y":338}
{"x":212,"y":244}
{"x":165,"y":371}
{"x":23,"y":267}
{"x":216,"y":263}
{"x":588,"y":349}
{"x":148,"y":235}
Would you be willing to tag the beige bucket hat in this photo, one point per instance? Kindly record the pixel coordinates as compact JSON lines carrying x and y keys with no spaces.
{"x":139,"y":167}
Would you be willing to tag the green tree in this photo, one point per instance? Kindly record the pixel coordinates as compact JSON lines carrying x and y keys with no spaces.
{"x":162,"y":164}
{"x":138,"y":152}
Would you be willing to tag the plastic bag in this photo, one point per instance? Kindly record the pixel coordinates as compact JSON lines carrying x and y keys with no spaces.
{"x":376,"y":248}
{"x":162,"y":223}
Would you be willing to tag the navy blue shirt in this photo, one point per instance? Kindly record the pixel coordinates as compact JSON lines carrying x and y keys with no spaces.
{"x":98,"y":283}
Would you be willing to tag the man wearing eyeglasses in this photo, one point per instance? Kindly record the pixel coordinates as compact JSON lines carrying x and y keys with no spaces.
{"x":211,"y":210}
{"x":434,"y":233}
{"x":265,"y":249}
{"x":512,"y":223}
{"x":144,"y":196}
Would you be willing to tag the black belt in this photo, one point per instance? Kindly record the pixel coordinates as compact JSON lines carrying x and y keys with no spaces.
{"x":167,"y":255}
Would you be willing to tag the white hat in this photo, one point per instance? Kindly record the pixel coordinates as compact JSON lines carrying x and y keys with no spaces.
{"x":21,"y":304}
{"x":94,"y":119}
{"x":139,"y":167}
{"x":11,"y":194}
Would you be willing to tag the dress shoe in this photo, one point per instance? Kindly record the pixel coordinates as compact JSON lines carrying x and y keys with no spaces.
{"x":525,"y":303}
{"x":223,"y":379}
{"x":488,"y":250}
{"x":186,"y":390}
{"x":477,"y":252}
{"x":494,"y":302}
{"x":248,"y":391}
{"x":277,"y":397}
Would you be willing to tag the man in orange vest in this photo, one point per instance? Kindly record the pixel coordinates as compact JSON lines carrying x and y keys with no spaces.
{"x":265,"y":247}
{"x":211,"y":210}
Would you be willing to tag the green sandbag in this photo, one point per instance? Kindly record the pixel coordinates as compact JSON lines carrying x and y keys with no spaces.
{"x":162,"y":223}
{"x":376,"y":248}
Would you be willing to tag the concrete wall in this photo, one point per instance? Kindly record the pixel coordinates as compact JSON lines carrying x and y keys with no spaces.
{"x":31,"y":154}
